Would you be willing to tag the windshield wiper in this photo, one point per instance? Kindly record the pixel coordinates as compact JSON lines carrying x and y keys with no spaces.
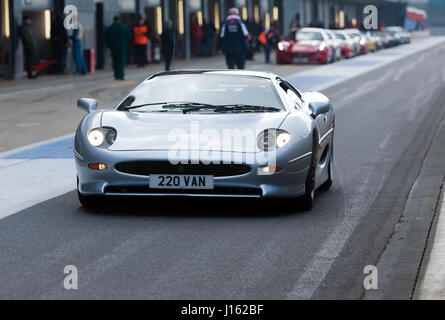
{"x":172,"y":105}
{"x":144,"y":105}
{"x":187,"y":107}
{"x":245,"y":107}
{"x":228,"y":108}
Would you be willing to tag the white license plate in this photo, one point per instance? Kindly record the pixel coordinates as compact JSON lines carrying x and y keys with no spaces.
{"x":189,"y":182}
{"x":300,"y":60}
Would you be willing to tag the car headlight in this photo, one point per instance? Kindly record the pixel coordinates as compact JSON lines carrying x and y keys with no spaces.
{"x":111,"y":137}
{"x":272,"y":139}
{"x":96,"y":138}
{"x":282,"y":139}
{"x":102,"y":137}
{"x":362,"y":41}
{"x":322,"y":46}
{"x":280,"y":46}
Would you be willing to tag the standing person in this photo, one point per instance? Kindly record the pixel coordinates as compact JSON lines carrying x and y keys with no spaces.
{"x":168,"y":44}
{"x":131,"y":49}
{"x":140,"y":43}
{"x":233,"y":40}
{"x":29,"y":46}
{"x":81,"y":67}
{"x":272,"y":37}
{"x":209,"y":31}
{"x":117,"y":38}
{"x":295,"y":23}
{"x":60,"y":42}
{"x":196,"y":33}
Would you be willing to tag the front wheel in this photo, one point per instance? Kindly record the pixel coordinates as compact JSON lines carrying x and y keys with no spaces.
{"x":87,"y":201}
{"x":327,"y":185}
{"x":307,"y":200}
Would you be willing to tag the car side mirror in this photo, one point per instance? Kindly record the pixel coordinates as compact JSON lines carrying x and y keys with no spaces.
{"x":87,"y":105}
{"x":319,"y":107}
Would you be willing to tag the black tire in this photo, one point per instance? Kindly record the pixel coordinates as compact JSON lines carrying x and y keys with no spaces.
{"x":87,"y":201}
{"x":327,"y":185}
{"x":307,"y":200}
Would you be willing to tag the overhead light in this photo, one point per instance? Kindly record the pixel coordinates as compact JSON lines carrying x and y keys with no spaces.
{"x":267,"y":20}
{"x":244,"y":13}
{"x":47,"y":24}
{"x":180,"y":16}
{"x":6,"y":28}
{"x":342,"y":18}
{"x":276,"y":13}
{"x":256,"y":13}
{"x":199,"y":16}
{"x":217,"y":21}
{"x":159,"y":19}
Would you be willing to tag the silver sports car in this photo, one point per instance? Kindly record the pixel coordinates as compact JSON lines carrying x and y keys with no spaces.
{"x":207,"y":133}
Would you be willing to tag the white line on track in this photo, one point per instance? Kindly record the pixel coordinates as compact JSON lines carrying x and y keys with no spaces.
{"x":367,"y":87}
{"x":110,"y":260}
{"x":398,"y":75}
{"x":385,"y":142}
{"x":433,"y":284}
{"x":27,"y":183}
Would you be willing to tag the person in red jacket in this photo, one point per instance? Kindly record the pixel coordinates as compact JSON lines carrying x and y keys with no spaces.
{"x":140,"y":32}
{"x":196,"y":32}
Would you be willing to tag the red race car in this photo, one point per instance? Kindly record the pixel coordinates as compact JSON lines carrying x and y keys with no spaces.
{"x":348,"y":49}
{"x":306,"y":45}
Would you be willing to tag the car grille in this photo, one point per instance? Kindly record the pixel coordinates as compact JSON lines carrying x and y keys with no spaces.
{"x":145,"y":168}
{"x":301,"y":55}
{"x":223,"y":191}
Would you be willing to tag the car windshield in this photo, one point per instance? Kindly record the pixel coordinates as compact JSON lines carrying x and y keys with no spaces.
{"x":203,"y":91}
{"x":308,"y":35}
{"x":395,"y":29}
{"x":354,"y":34}
{"x":340,"y":36}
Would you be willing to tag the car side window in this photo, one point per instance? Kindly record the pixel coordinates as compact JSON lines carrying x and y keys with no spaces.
{"x":292,"y":93}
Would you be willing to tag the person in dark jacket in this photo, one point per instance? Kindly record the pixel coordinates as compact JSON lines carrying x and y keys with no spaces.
{"x":60,"y":43}
{"x":117,"y":38}
{"x":233,"y":39}
{"x":168,"y":44}
{"x":29,"y":47}
{"x":208,"y":40}
{"x":272,"y":39}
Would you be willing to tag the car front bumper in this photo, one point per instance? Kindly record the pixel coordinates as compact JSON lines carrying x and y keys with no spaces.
{"x":289,"y":182}
{"x":310,"y":56}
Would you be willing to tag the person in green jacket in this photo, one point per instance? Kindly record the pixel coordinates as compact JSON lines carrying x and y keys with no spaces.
{"x":117,"y":38}
{"x":29,"y":46}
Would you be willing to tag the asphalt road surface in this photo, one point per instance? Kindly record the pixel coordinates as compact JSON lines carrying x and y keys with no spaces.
{"x":237,"y":249}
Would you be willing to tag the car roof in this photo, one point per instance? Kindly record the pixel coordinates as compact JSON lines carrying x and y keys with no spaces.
{"x":266,"y":75}
{"x":312,"y":29}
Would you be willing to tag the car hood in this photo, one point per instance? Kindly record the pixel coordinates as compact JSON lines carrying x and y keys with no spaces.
{"x":304,"y":45}
{"x":164,"y":131}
